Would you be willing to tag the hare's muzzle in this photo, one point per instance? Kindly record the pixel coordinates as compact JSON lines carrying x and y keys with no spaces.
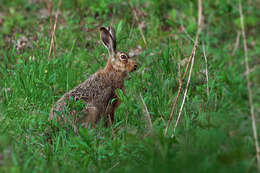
{"x":132,"y":65}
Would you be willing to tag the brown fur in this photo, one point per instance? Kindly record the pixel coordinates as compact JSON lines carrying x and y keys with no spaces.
{"x":99,"y":89}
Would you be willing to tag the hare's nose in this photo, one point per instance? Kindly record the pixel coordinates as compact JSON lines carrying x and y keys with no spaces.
{"x":135,"y":66}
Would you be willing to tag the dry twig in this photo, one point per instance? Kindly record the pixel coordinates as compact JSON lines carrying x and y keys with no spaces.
{"x":192,"y":62}
{"x":186,"y":69}
{"x":148,"y":117}
{"x":110,"y":169}
{"x":206,"y":62}
{"x":254,"y":128}
{"x":178,"y":94}
{"x":173,"y":107}
{"x":237,"y":43}
{"x":52,"y":46}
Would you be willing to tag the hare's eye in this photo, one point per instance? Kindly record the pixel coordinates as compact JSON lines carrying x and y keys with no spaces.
{"x":123,"y":57}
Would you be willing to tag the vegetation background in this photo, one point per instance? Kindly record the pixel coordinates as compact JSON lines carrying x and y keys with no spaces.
{"x":214,"y":133}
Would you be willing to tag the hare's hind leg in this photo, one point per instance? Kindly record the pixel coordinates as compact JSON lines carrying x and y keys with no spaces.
{"x":91,"y":116}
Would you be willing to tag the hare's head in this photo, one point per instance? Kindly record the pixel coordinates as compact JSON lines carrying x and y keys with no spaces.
{"x":120,"y":61}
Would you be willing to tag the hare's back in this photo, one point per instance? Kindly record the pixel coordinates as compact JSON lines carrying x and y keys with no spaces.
{"x":95,"y":89}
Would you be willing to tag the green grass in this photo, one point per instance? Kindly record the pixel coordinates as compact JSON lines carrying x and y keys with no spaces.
{"x":214,"y":134}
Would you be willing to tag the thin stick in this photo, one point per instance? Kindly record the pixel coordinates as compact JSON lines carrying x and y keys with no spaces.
{"x":148,"y":117}
{"x":236,"y":44}
{"x":192,"y":57}
{"x":185,"y":92}
{"x":137,"y":19}
{"x":206,"y":63}
{"x":254,"y":128}
{"x":173,"y":107}
{"x":52,"y":46}
{"x":174,"y":103}
{"x":110,"y":169}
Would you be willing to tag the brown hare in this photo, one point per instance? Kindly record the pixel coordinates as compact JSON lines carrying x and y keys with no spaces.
{"x":97,"y":93}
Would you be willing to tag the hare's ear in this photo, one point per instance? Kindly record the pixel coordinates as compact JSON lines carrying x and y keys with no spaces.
{"x":108,"y":41}
{"x":112,"y":32}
